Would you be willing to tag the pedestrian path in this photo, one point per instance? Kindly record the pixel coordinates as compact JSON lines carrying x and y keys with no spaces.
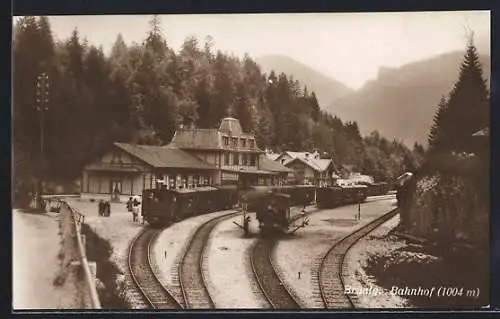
{"x":35,"y":247}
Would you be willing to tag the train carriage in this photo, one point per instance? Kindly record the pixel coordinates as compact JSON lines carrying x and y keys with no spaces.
{"x":329,"y":197}
{"x":354,"y":193}
{"x":377,"y":189}
{"x":227,"y":196}
{"x":163,"y":206}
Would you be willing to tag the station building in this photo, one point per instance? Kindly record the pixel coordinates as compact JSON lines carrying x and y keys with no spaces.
{"x":195,"y":157}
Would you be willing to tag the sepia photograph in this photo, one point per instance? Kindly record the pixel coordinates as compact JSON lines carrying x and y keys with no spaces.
{"x":285,"y":161}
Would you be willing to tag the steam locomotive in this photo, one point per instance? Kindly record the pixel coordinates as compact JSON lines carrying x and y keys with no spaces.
{"x":161,"y":207}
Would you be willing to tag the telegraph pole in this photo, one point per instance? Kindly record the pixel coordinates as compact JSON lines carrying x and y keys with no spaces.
{"x":42,"y":105}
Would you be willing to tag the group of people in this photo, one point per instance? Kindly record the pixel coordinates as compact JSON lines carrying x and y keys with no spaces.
{"x":133,"y":207}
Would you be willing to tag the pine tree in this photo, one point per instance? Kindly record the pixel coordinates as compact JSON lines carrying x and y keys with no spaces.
{"x":315,"y":109}
{"x":436,"y":136}
{"x":468,"y":105}
{"x":243,"y":108}
{"x":155,"y":40}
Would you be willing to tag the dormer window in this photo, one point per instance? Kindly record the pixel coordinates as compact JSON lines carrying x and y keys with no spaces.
{"x":251,"y":143}
{"x":235,"y":142}
{"x":243,"y":142}
{"x":225,"y":140}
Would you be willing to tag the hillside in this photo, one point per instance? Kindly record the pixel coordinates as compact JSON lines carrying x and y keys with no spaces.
{"x":402,"y":101}
{"x":326,"y":88}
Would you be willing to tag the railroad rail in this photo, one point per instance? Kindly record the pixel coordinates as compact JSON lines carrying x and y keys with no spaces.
{"x":330,"y":278}
{"x":192,"y":280}
{"x":265,"y":273}
{"x":141,"y":270}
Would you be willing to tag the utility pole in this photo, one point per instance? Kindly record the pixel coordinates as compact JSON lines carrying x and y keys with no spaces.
{"x":42,"y":105}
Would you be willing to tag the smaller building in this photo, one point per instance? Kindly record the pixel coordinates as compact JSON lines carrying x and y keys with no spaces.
{"x":308,"y":168}
{"x":287,"y":156}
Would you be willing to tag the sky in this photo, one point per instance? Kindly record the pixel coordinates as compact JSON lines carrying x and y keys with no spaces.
{"x":349,"y":47}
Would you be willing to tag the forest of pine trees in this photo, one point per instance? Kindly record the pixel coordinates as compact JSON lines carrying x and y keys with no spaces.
{"x":141,"y":93}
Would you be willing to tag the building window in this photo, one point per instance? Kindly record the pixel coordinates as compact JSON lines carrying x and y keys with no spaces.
{"x":116,"y":158}
{"x":203,"y":180}
{"x":226,"y":158}
{"x":234,"y":142}
{"x":196,"y":180}
{"x":243,"y":142}
{"x":253,"y":160}
{"x":251,"y":143}
{"x":235,"y":159}
{"x":244,"y":159}
{"x":226,"y":140}
{"x":167,"y":181}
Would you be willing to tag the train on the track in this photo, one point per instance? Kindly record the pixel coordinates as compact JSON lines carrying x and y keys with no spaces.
{"x":163,"y":206}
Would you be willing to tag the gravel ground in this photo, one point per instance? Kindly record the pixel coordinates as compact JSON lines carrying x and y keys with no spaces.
{"x":36,"y":242}
{"x":371,"y":295}
{"x":303,"y":251}
{"x":231,"y":283}
{"x":119,"y":231}
{"x":169,"y":248}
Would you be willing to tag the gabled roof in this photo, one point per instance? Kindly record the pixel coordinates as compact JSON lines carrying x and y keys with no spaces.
{"x":273,"y":166}
{"x":208,"y":139}
{"x":272,"y":156}
{"x":319,"y":165}
{"x":164,"y":156}
{"x":295,"y":154}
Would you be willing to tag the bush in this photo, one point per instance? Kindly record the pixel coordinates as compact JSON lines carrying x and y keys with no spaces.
{"x":448,"y":200}
{"x":99,"y":250}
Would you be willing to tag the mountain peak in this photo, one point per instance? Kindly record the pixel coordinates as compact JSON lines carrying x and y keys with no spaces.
{"x":401,"y":102}
{"x":326,"y":88}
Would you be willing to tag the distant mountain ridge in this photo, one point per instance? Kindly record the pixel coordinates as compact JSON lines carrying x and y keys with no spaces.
{"x":326,"y":88}
{"x":401,"y":102}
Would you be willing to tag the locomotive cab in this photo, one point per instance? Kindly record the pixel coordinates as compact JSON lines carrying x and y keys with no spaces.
{"x":273,"y":213}
{"x":158,"y":206}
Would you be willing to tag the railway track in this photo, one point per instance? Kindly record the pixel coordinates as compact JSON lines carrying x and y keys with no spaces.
{"x":154,"y":293}
{"x":330,"y":278}
{"x":192,"y":281}
{"x":269,"y":282}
